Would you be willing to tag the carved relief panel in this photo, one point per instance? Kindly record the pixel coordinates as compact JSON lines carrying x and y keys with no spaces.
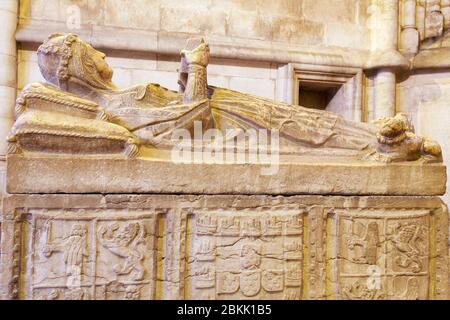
{"x":302,"y":250}
{"x":87,"y":255}
{"x":246,"y":254}
{"x":382,"y":255}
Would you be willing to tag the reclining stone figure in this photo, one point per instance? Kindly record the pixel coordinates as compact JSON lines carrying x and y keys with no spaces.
{"x":80,"y":110}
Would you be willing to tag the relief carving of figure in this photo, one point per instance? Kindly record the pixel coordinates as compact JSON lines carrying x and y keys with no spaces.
{"x":368,"y":245}
{"x":80,"y":110}
{"x":123,"y":242}
{"x":409,"y":241}
{"x":73,"y":246}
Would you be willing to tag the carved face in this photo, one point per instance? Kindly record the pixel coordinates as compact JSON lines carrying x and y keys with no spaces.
{"x":100,"y":63}
{"x":66,"y":57}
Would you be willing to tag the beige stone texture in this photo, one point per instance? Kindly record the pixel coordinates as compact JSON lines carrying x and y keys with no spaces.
{"x":215,"y":247}
{"x":424,"y":97}
{"x":8,"y":76}
{"x":78,"y":180}
{"x":295,"y":175}
{"x":263,"y":27}
{"x":289,"y":20}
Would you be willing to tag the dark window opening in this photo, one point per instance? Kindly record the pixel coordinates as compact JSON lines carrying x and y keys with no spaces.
{"x":317,"y":95}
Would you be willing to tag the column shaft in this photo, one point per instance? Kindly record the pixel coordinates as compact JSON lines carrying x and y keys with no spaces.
{"x":385,"y":87}
{"x":8,"y":72}
{"x":386,"y":41}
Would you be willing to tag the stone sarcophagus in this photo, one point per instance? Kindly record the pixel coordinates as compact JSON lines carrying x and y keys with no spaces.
{"x":208,"y":193}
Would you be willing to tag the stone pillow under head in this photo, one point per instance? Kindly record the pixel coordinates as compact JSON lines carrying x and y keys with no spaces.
{"x":41,"y":131}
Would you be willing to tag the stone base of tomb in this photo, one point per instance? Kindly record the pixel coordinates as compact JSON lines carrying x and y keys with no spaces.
{"x":142,"y":246}
{"x":293,"y":175}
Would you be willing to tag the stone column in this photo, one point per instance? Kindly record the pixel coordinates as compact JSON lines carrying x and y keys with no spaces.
{"x":420,"y":18}
{"x":8,"y":72}
{"x":8,"y":86}
{"x":386,"y":42}
{"x":385,"y":86}
{"x":445,"y":9}
{"x":409,"y":42}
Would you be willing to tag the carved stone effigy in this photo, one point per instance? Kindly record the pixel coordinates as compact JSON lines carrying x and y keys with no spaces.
{"x":99,"y":208}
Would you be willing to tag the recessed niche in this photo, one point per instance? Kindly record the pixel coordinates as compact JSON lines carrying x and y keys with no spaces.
{"x":317,"y":95}
{"x":331,"y":88}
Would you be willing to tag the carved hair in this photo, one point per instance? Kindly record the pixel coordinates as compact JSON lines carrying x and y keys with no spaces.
{"x":62,"y":57}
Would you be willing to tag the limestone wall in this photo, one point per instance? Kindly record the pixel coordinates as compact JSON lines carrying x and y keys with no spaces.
{"x":159,"y":28}
{"x":425,"y":96}
{"x":342,"y":23}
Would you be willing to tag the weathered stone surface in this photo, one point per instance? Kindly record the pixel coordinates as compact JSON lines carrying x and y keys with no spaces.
{"x":289,"y":21}
{"x":294,"y":176}
{"x":275,"y":245}
{"x":432,"y":59}
{"x":118,"y":13}
{"x":426,"y":97}
{"x":223,"y":247}
{"x":82,"y":106}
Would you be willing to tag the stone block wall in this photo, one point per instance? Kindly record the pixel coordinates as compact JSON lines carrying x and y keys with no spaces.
{"x":122,"y":23}
{"x":305,"y":22}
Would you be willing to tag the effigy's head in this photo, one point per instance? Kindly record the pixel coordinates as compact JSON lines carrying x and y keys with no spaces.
{"x":63,"y":57}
